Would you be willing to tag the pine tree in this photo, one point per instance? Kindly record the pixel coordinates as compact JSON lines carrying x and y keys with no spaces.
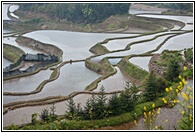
{"x":126,"y":98}
{"x":114,"y":105}
{"x":173,"y":69}
{"x":92,"y":110}
{"x":53,"y":116}
{"x":71,"y":107}
{"x":100,"y":108}
{"x":151,"y":87}
{"x":87,"y":110}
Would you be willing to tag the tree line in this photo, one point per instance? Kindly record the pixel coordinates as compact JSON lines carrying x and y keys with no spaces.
{"x":78,"y":12}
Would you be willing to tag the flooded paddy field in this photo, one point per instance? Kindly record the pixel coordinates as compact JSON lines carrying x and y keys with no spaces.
{"x":74,"y":76}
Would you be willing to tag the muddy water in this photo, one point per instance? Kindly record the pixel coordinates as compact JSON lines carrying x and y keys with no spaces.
{"x":25,"y":84}
{"x":75,"y":45}
{"x":113,"y":83}
{"x":178,"y":43}
{"x":142,"y":62}
{"x":73,"y":77}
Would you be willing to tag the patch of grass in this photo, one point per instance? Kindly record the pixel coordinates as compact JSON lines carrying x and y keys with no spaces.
{"x":132,"y":71}
{"x":12,"y":53}
{"x":99,"y":49}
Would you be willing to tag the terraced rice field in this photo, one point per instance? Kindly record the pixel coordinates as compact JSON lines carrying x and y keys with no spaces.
{"x":75,"y":77}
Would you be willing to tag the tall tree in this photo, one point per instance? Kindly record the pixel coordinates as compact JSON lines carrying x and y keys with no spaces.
{"x":115,"y":105}
{"x":151,"y":87}
{"x":173,"y":69}
{"x":100,"y":108}
{"x":71,"y":107}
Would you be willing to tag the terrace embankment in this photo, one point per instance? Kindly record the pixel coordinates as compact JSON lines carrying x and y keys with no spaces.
{"x":12,"y":53}
{"x":44,"y":60}
{"x":133,"y":72}
{"x":47,"y":48}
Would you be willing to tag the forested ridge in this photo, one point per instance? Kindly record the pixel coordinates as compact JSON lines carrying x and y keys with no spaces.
{"x":78,"y":12}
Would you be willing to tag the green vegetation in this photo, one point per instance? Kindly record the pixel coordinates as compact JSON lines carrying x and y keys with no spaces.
{"x":154,"y":87}
{"x":119,"y":108}
{"x":189,"y":55}
{"x":98,"y":108}
{"x":12,"y":53}
{"x":78,"y":12}
{"x":99,"y":49}
{"x":132,"y":71}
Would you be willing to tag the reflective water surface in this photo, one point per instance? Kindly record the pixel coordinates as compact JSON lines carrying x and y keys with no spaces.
{"x":142,"y":62}
{"x":75,"y":45}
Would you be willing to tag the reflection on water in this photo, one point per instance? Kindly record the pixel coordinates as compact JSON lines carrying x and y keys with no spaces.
{"x":12,"y":9}
{"x":73,"y":77}
{"x":134,"y":11}
{"x":187,"y":27}
{"x":11,"y":41}
{"x":114,"y":61}
{"x":136,"y":48}
{"x":23,"y":115}
{"x":184,"y":19}
{"x":178,"y":42}
{"x":5,"y":10}
{"x":142,"y":62}
{"x":25,"y":84}
{"x":75,"y":45}
{"x":113,"y":83}
{"x":6,"y":62}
